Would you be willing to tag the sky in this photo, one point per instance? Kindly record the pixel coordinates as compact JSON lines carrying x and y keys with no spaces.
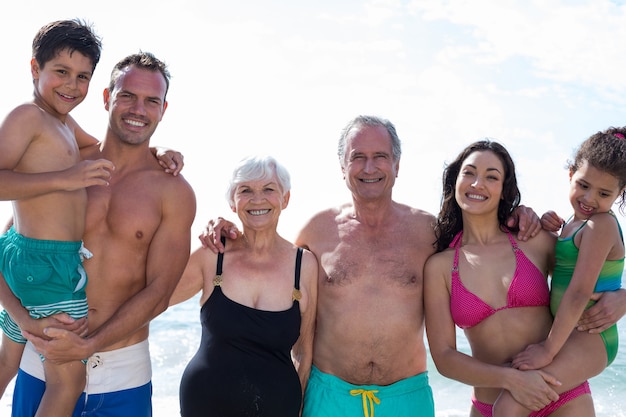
{"x":282,"y":77}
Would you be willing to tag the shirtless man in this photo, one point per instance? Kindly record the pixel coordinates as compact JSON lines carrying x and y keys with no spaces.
{"x":138,"y":229}
{"x":371,"y":253}
{"x":369,"y":351}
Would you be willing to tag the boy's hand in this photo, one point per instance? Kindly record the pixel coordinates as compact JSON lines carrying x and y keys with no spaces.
{"x":171,"y":160}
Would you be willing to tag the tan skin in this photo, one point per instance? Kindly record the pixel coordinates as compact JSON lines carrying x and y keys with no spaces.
{"x":43,"y":172}
{"x":137,"y":228}
{"x":592,"y":194}
{"x":486,"y":266}
{"x":370,"y":283}
{"x":370,"y":315}
{"x":258,"y":270}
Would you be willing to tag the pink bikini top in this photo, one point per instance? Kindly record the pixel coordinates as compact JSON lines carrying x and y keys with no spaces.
{"x":528,"y":288}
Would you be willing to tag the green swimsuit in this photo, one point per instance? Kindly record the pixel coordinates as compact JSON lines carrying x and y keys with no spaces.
{"x":610,"y":279}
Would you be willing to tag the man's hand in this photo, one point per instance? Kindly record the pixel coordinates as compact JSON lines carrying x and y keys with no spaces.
{"x":527,"y":221}
{"x":608,"y":310}
{"x":551,"y":222}
{"x":215,"y":229}
{"x":60,"y":321}
{"x":60,"y":345}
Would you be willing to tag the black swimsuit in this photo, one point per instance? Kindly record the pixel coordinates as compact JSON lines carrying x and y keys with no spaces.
{"x":243,"y":366}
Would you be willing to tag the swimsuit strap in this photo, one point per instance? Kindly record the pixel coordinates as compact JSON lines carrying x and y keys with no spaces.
{"x":578,"y":230}
{"x":579,"y":227}
{"x":298,"y":265}
{"x":296,"y":294}
{"x":217,"y":281}
{"x":456,"y":243}
{"x":618,"y":225}
{"x":512,"y":240}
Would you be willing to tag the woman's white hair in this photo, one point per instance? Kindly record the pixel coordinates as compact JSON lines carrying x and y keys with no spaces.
{"x":255,"y":168}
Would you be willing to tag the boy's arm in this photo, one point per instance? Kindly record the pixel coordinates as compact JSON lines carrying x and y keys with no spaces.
{"x":18,"y":180}
{"x":169,"y":159}
{"x":83,"y":139}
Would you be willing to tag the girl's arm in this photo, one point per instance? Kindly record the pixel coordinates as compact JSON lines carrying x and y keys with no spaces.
{"x":597,"y":240}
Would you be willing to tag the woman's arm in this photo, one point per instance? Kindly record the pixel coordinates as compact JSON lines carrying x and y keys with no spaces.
{"x":528,"y":388}
{"x":302,"y":352}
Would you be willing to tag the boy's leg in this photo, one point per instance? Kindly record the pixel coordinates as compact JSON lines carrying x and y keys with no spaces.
{"x":64,"y":384}
{"x":10,"y":356}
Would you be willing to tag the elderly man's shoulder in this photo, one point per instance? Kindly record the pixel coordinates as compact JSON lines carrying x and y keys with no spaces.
{"x":416,"y":214}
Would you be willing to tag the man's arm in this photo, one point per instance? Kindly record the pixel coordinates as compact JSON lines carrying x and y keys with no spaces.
{"x":167,"y":256}
{"x":215,"y":229}
{"x":609,"y":309}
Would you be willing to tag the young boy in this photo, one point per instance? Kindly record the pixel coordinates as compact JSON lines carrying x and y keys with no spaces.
{"x":42,"y":172}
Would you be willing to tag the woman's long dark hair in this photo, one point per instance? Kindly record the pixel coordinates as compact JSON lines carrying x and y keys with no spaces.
{"x":450,"y":221}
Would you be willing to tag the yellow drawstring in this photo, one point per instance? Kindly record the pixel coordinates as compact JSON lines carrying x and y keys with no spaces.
{"x":369,"y":395}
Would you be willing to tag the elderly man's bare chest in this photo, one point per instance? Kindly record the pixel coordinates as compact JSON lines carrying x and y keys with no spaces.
{"x":362,"y":261}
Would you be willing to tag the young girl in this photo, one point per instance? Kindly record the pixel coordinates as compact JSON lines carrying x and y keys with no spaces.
{"x":589,"y":258}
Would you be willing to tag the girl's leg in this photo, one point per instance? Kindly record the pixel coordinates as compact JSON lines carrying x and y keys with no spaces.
{"x":582,"y":357}
{"x":578,"y":407}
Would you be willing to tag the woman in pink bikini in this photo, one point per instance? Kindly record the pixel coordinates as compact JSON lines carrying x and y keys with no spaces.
{"x":494,"y":288}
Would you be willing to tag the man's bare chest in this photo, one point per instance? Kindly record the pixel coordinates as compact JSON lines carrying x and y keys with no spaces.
{"x":369,"y":264}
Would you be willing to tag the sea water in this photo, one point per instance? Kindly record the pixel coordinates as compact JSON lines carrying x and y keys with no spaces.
{"x":175,"y":336}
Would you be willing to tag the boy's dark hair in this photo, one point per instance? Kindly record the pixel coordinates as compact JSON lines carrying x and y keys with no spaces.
{"x":143,"y":60}
{"x":71,"y":35}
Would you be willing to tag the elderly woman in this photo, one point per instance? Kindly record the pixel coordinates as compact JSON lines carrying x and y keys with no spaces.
{"x":258,"y":308}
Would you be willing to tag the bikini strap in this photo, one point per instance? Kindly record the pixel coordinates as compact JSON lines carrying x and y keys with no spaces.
{"x":217,"y":281}
{"x":456,"y":243}
{"x":512,"y":240}
{"x":297,"y":294}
